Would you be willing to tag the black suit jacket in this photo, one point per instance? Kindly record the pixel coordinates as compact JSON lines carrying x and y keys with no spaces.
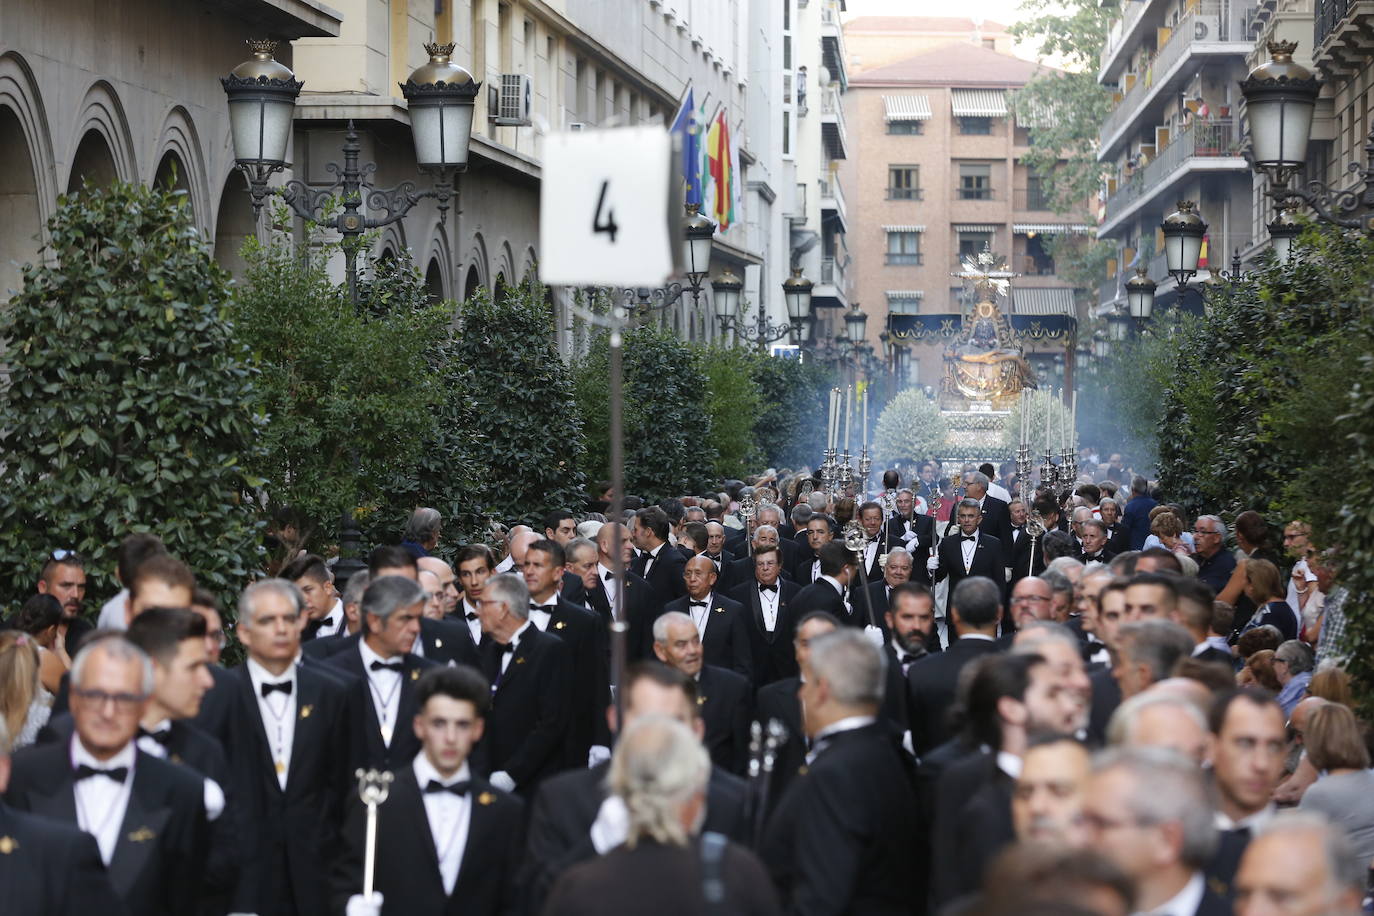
{"x":323,"y":648}
{"x":448,"y":642}
{"x":665,"y":573}
{"x":741,"y":570}
{"x":566,"y":805}
{"x":773,"y":656}
{"x":642,"y":608}
{"x":1021,"y":560}
{"x":587,"y":638}
{"x":931,"y":685}
{"x":725,"y":700}
{"x":1104,"y":556}
{"x":919,"y":548}
{"x":1118,"y":539}
{"x":526,"y":727}
{"x":779,"y":700}
{"x":370,"y":750}
{"x":987,"y":560}
{"x":53,"y":869}
{"x":218,"y":700}
{"x":161,"y":852}
{"x":290,"y":835}
{"x":407,"y":867}
{"x":726,"y":644}
{"x":846,"y":835}
{"x":1106,"y":697}
{"x":572,"y":588}
{"x":996,"y":518}
{"x":973,"y":822}
{"x":822,"y":596}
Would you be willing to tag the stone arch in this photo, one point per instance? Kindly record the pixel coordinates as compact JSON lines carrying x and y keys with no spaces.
{"x":392,"y":243}
{"x":234,"y":223}
{"x":530,"y":265}
{"x":472,"y":283}
{"x":105,"y":148}
{"x":28,"y":188}
{"x":506,"y":265}
{"x":437,"y":266}
{"x":477,"y":266}
{"x":180,"y":143}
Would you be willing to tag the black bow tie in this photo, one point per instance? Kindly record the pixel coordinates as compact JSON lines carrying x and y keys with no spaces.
{"x":968,"y":537}
{"x":283,"y":686}
{"x":162,"y":736}
{"x":696,"y":603}
{"x":457,"y":788}
{"x":905,"y":659}
{"x":608,"y":576}
{"x":505,"y":648}
{"x":394,"y":667}
{"x":470,"y":616}
{"x":118,"y":774}
{"x":715,"y":559}
{"x":312,"y":628}
{"x":768,"y":588}
{"x":550,"y":608}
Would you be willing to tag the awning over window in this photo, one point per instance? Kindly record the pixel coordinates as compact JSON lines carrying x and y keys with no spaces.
{"x":977,"y":227}
{"x":904,"y":228}
{"x":1042,"y":302}
{"x":906,"y":294}
{"x":906,"y":108}
{"x":1052,"y":228}
{"x":978,"y":103}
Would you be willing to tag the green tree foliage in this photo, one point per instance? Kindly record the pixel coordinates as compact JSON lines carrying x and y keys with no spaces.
{"x":1066,"y":108}
{"x":733,"y":401}
{"x":348,"y":391}
{"x":910,"y":429}
{"x":128,"y":404}
{"x":667,"y":428}
{"x":790,"y":424}
{"x":526,"y":446}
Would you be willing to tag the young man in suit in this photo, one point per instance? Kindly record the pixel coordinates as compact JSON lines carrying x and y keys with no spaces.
{"x":448,"y":842}
{"x":971,"y":552}
{"x":837,"y":843}
{"x":915,"y":533}
{"x":571,"y":819}
{"x":723,"y":695}
{"x":382,"y":671}
{"x":720,"y":621}
{"x":770,"y":618}
{"x":322,"y":648}
{"x":324,"y":614}
{"x":586,"y":637}
{"x":657,"y":562}
{"x":474,"y":565}
{"x":642,"y":604}
{"x":525,"y":736}
{"x":147,"y":815}
{"x":289,"y":734}
{"x":828,"y":593}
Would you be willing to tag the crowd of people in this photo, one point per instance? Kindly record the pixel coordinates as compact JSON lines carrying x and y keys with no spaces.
{"x":952,"y":697}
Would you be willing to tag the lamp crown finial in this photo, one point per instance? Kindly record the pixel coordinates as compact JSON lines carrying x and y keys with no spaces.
{"x":438,"y":53}
{"x":1282,"y":50}
{"x":262,"y":48}
{"x":1141,"y":272}
{"x":1186,"y":206}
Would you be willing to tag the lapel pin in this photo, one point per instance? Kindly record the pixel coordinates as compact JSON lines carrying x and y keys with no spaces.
{"x":141,"y":835}
{"x":485,"y":798}
{"x":306,"y":710}
{"x":562,"y":624}
{"x":720,"y":610}
{"x":520,"y":661}
{"x":438,"y":643}
{"x":175,"y":758}
{"x":701,"y":701}
{"x":414,"y":674}
{"x":8,"y":844}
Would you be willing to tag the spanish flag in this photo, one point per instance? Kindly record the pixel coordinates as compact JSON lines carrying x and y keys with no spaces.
{"x":722,"y":171}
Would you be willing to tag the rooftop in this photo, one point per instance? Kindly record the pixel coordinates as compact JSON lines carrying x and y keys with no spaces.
{"x":954,"y":65}
{"x":922,"y":24}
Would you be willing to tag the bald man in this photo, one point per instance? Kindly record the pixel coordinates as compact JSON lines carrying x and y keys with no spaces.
{"x":720,"y":621}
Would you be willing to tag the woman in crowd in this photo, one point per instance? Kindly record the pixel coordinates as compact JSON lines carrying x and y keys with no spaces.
{"x":1345,"y":790}
{"x":40,"y":618}
{"x":1166,"y":530}
{"x":1259,"y":672}
{"x":24,"y":704}
{"x":1264,"y":587}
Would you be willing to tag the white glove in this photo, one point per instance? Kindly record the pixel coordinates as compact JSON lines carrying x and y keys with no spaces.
{"x":933,"y":563}
{"x":596,"y":754}
{"x":907,"y":744}
{"x":874,"y":634}
{"x":358,"y":905}
{"x":501,"y":779}
{"x":612,"y":825}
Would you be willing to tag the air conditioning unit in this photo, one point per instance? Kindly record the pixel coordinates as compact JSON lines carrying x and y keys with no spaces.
{"x":510,"y":104}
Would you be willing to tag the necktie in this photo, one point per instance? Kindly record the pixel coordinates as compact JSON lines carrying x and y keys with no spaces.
{"x":768,"y":588}
{"x":118,"y":774}
{"x":161,"y":737}
{"x":394,"y":667}
{"x":283,"y":686}
{"x":457,"y":788}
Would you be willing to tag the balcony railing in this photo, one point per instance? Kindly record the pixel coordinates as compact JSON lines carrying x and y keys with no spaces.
{"x":832,"y":196}
{"x":1202,"y":139}
{"x":973,"y":194}
{"x":905,"y":257}
{"x":905,"y":194}
{"x":1211,"y":22}
{"x":1032,"y":199}
{"x":832,"y":274}
{"x":1328,"y":15}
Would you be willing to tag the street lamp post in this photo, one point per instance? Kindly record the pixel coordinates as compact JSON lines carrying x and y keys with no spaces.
{"x":796,"y":293}
{"x":697,"y":235}
{"x":1140,"y":297}
{"x":1183,"y":231}
{"x":262,"y":96}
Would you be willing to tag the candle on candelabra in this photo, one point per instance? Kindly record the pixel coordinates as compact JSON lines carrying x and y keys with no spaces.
{"x":1047,"y":423}
{"x":830,"y":421}
{"x":865,"y":437}
{"x":848,"y":409}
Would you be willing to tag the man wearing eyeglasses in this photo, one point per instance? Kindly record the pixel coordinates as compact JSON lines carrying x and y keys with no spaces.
{"x":1215,"y":563}
{"x":64,"y":577}
{"x":147,"y":815}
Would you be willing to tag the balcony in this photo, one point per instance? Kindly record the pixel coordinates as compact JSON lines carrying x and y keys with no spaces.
{"x":1121,"y":40}
{"x":833,"y":134}
{"x":973,"y":194}
{"x":833,"y":53}
{"x":832,"y":199}
{"x":1213,"y":29}
{"x":905,"y":194}
{"x":1206,"y":146}
{"x":1032,"y":199}
{"x":1340,"y":30}
{"x":833,"y":290}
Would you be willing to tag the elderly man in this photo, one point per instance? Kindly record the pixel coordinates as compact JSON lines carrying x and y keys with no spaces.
{"x":1300,"y":865}
{"x":1118,"y":538}
{"x":896,"y":571}
{"x":422,"y":532}
{"x":719,"y":620}
{"x":1148,"y":811}
{"x":1146,"y":652}
{"x":836,"y":843}
{"x":1047,"y":802}
{"x":1094,"y":540}
{"x":517,"y":540}
{"x":447,"y":583}
{"x":1293,"y":661}
{"x":1032,"y":599}
{"x":1163,"y":720}
{"x":724,"y":696}
{"x":996,"y":517}
{"x":1215,"y":563}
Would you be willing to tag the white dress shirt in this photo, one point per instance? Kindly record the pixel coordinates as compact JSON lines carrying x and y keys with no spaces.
{"x":449,"y":815}
{"x":768,"y":603}
{"x":278,"y":712}
{"x":870,"y":551}
{"x":815,"y":570}
{"x":385,"y":687}
{"x":1185,"y":902}
{"x":474,"y":624}
{"x":652,"y":557}
{"x":332,"y":624}
{"x":214,"y":795}
{"x":505,"y":566}
{"x":514,"y":644}
{"x":701,"y":616}
{"x":607,"y":578}
{"x":100,"y":801}
{"x":967,"y":548}
{"x":542,"y":614}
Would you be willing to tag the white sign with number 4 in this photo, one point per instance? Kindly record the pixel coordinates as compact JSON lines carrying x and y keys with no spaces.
{"x":603,"y":208}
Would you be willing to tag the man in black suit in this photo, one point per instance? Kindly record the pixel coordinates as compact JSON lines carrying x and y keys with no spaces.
{"x":448,"y":841}
{"x":870,"y":516}
{"x":569,"y":821}
{"x":971,"y":552}
{"x":770,"y":617}
{"x":1025,"y":555}
{"x":1159,"y":788}
{"x":996,"y":519}
{"x":841,"y":842}
{"x":474,"y":565}
{"x":659,"y":780}
{"x":915,"y":533}
{"x":560,"y":526}
{"x":289,"y":734}
{"x":723,"y":695}
{"x":715,"y":546}
{"x":323,"y":613}
{"x":642,"y":603}
{"x":438,"y":641}
{"x":896,"y":571}
{"x":975,"y":608}
{"x":779,"y":701}
{"x":382,"y":671}
{"x":525,"y":736}
{"x":1118,"y":536}
{"x":770,"y":516}
{"x":64,"y":577}
{"x":720,"y":621}
{"x":742,"y":569}
{"x":1094,"y":540}
{"x":657,"y":562}
{"x":818,"y":534}
{"x":323,"y":647}
{"x":586,"y":637}
{"x":828,"y":593}
{"x":147,"y":815}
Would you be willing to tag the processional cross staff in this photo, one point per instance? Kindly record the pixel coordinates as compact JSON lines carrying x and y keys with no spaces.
{"x":373,"y":788}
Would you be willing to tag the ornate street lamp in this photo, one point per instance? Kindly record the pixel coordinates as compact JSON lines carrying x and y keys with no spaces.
{"x":1102,"y":347}
{"x":1283,"y":231}
{"x":1183,"y":232}
{"x":1140,"y":296}
{"x":1280,"y":97}
{"x":262,"y":99}
{"x":727,"y":292}
{"x":1118,"y":325}
{"x":796,"y":292}
{"x":855,"y":326}
{"x":696,"y":245}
